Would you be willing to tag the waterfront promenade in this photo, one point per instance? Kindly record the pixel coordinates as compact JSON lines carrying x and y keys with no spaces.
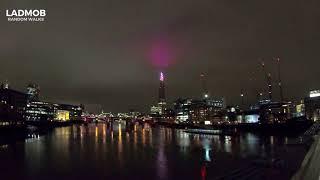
{"x":310,"y":167}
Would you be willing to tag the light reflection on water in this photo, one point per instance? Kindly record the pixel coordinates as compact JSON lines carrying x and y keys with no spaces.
{"x":142,"y":152}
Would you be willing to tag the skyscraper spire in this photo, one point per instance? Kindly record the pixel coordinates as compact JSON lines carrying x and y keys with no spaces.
{"x":161,"y":76}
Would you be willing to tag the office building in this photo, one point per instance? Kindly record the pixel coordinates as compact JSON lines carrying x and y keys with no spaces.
{"x":312,"y":105}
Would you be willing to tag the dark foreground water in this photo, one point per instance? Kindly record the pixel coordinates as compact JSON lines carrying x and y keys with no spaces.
{"x":97,"y":152}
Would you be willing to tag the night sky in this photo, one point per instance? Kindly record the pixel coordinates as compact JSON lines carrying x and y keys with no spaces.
{"x":108,"y":54}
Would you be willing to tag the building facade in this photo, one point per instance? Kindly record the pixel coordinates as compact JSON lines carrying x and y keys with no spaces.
{"x":205,"y":111}
{"x":67,"y":112}
{"x":39,"y":111}
{"x":312,"y":105}
{"x":45,"y":111}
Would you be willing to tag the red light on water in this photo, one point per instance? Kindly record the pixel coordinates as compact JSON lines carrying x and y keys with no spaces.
{"x":203,"y":172}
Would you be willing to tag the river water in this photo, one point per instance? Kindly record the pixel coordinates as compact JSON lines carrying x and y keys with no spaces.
{"x":99,"y":152}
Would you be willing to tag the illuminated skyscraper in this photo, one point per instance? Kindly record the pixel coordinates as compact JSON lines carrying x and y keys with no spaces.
{"x":162,"y":94}
{"x":161,"y":107}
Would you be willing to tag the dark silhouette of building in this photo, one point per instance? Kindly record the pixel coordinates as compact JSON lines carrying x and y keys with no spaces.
{"x":12,"y":106}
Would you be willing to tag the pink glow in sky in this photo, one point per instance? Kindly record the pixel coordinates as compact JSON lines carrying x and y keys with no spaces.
{"x":161,"y":53}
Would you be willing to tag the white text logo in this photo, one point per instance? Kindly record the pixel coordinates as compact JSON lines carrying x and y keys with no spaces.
{"x":20,"y":15}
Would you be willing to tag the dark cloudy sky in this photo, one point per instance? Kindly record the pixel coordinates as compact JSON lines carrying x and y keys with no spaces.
{"x":105,"y":53}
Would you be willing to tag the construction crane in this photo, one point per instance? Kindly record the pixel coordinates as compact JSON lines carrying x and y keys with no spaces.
{"x":242,"y":97}
{"x":268,"y":79}
{"x":279,"y":80}
{"x":205,"y":93}
{"x":257,"y":91}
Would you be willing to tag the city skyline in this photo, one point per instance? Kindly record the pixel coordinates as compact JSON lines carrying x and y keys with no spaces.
{"x":264,"y":94}
{"x":109,"y":56}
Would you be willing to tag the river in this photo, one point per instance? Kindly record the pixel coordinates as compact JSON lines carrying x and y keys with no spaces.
{"x":99,"y":152}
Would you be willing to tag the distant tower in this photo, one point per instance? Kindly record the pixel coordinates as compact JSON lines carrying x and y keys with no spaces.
{"x":33,"y":91}
{"x":259,"y":95}
{"x":268,"y":78}
{"x":162,"y":94}
{"x":269,"y":87}
{"x":279,"y":80}
{"x":205,"y":93}
{"x":242,"y":97}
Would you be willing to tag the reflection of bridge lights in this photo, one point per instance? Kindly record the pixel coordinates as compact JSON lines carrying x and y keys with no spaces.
{"x":184,"y":140}
{"x":127,"y":134}
{"x":32,"y":137}
{"x":104,"y":130}
{"x":119,"y":130}
{"x":135,"y":138}
{"x":120,"y":137}
{"x":143,"y":136}
{"x":96,"y":131}
{"x":112,"y":135}
{"x":4,"y":146}
{"x":81,"y":134}
{"x":227,"y":139}
{"x":150,"y":137}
